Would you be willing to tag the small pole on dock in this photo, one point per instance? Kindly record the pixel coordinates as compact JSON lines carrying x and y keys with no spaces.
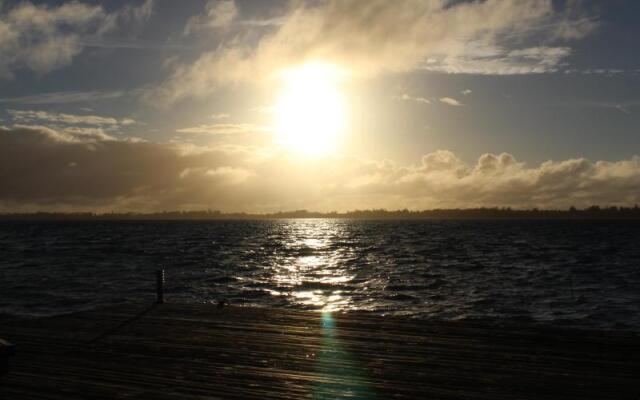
{"x":160,"y":286}
{"x":573,"y":295}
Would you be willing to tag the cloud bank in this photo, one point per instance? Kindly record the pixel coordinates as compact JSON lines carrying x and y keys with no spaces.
{"x":45,"y":169}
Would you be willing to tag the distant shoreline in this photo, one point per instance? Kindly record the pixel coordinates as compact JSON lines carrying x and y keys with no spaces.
{"x":591,"y":213}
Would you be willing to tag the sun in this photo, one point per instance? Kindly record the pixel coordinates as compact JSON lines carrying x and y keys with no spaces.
{"x":310,"y":114}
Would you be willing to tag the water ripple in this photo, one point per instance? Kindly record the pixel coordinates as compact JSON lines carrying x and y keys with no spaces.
{"x":583,"y":273}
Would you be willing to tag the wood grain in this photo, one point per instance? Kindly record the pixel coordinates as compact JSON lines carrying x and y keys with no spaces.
{"x":200,"y":351}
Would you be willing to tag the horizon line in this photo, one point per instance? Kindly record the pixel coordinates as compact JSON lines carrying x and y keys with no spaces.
{"x":449,"y":213}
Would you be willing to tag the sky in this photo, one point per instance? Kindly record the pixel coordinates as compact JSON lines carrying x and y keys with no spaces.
{"x":263,"y":106}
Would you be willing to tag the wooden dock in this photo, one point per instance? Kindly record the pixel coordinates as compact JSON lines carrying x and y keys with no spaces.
{"x":181,"y":351}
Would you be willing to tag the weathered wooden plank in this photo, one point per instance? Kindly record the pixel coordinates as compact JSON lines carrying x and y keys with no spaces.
{"x":200,"y":351}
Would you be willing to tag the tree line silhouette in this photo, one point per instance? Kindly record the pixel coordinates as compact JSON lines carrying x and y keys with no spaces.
{"x":593,"y":212}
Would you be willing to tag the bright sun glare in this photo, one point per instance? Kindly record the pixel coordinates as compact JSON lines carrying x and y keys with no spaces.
{"x":310,"y":112}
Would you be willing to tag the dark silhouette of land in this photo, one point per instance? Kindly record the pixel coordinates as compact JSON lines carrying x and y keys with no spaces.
{"x":593,"y":212}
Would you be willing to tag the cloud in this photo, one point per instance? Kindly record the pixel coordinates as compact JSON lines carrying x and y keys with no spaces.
{"x":625,"y":107}
{"x":220,"y":116}
{"x":443,"y":180}
{"x":42,"y":38}
{"x":222,"y":129}
{"x":622,"y":109}
{"x":450,"y":101}
{"x":575,"y":23}
{"x":30,"y":116}
{"x":218,"y":14}
{"x":36,"y":37}
{"x":70,"y":134}
{"x":379,"y":36}
{"x":264,"y":109}
{"x":132,"y":174}
{"x":69,"y":97}
{"x":500,"y":61}
{"x":229,"y":174}
{"x":600,"y":71}
{"x":418,"y":99}
{"x":46,"y":169}
{"x":133,"y":14}
{"x":466,"y":92}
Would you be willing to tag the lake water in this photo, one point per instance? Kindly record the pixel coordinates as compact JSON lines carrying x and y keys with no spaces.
{"x":584,"y":273}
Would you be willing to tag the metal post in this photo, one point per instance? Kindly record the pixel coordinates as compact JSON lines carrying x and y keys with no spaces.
{"x":160,"y":286}
{"x":7,"y":351}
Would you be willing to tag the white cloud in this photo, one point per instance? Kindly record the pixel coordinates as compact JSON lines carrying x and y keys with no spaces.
{"x":499,"y":61}
{"x":622,"y":109}
{"x":127,"y":121}
{"x":450,"y":101}
{"x":264,"y":109}
{"x":417,"y":99}
{"x":38,"y":37}
{"x":65,"y":97}
{"x":231,"y":175}
{"x":43,"y":37}
{"x":228,"y":175}
{"x":625,"y":107}
{"x":379,"y":36}
{"x":466,"y":92}
{"x":85,"y":134}
{"x":218,"y":14}
{"x":30,"y":116}
{"x":600,"y":71}
{"x":222,"y":129}
{"x":69,"y":134}
{"x":264,"y":22}
{"x":133,"y":14}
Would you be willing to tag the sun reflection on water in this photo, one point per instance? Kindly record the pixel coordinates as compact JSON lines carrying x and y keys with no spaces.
{"x":312,"y":275}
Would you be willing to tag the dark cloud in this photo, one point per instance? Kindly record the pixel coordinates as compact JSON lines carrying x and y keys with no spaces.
{"x":43,"y":166}
{"x":45,"y":169}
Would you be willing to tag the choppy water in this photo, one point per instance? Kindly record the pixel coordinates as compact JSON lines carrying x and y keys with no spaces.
{"x":580,"y":273}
